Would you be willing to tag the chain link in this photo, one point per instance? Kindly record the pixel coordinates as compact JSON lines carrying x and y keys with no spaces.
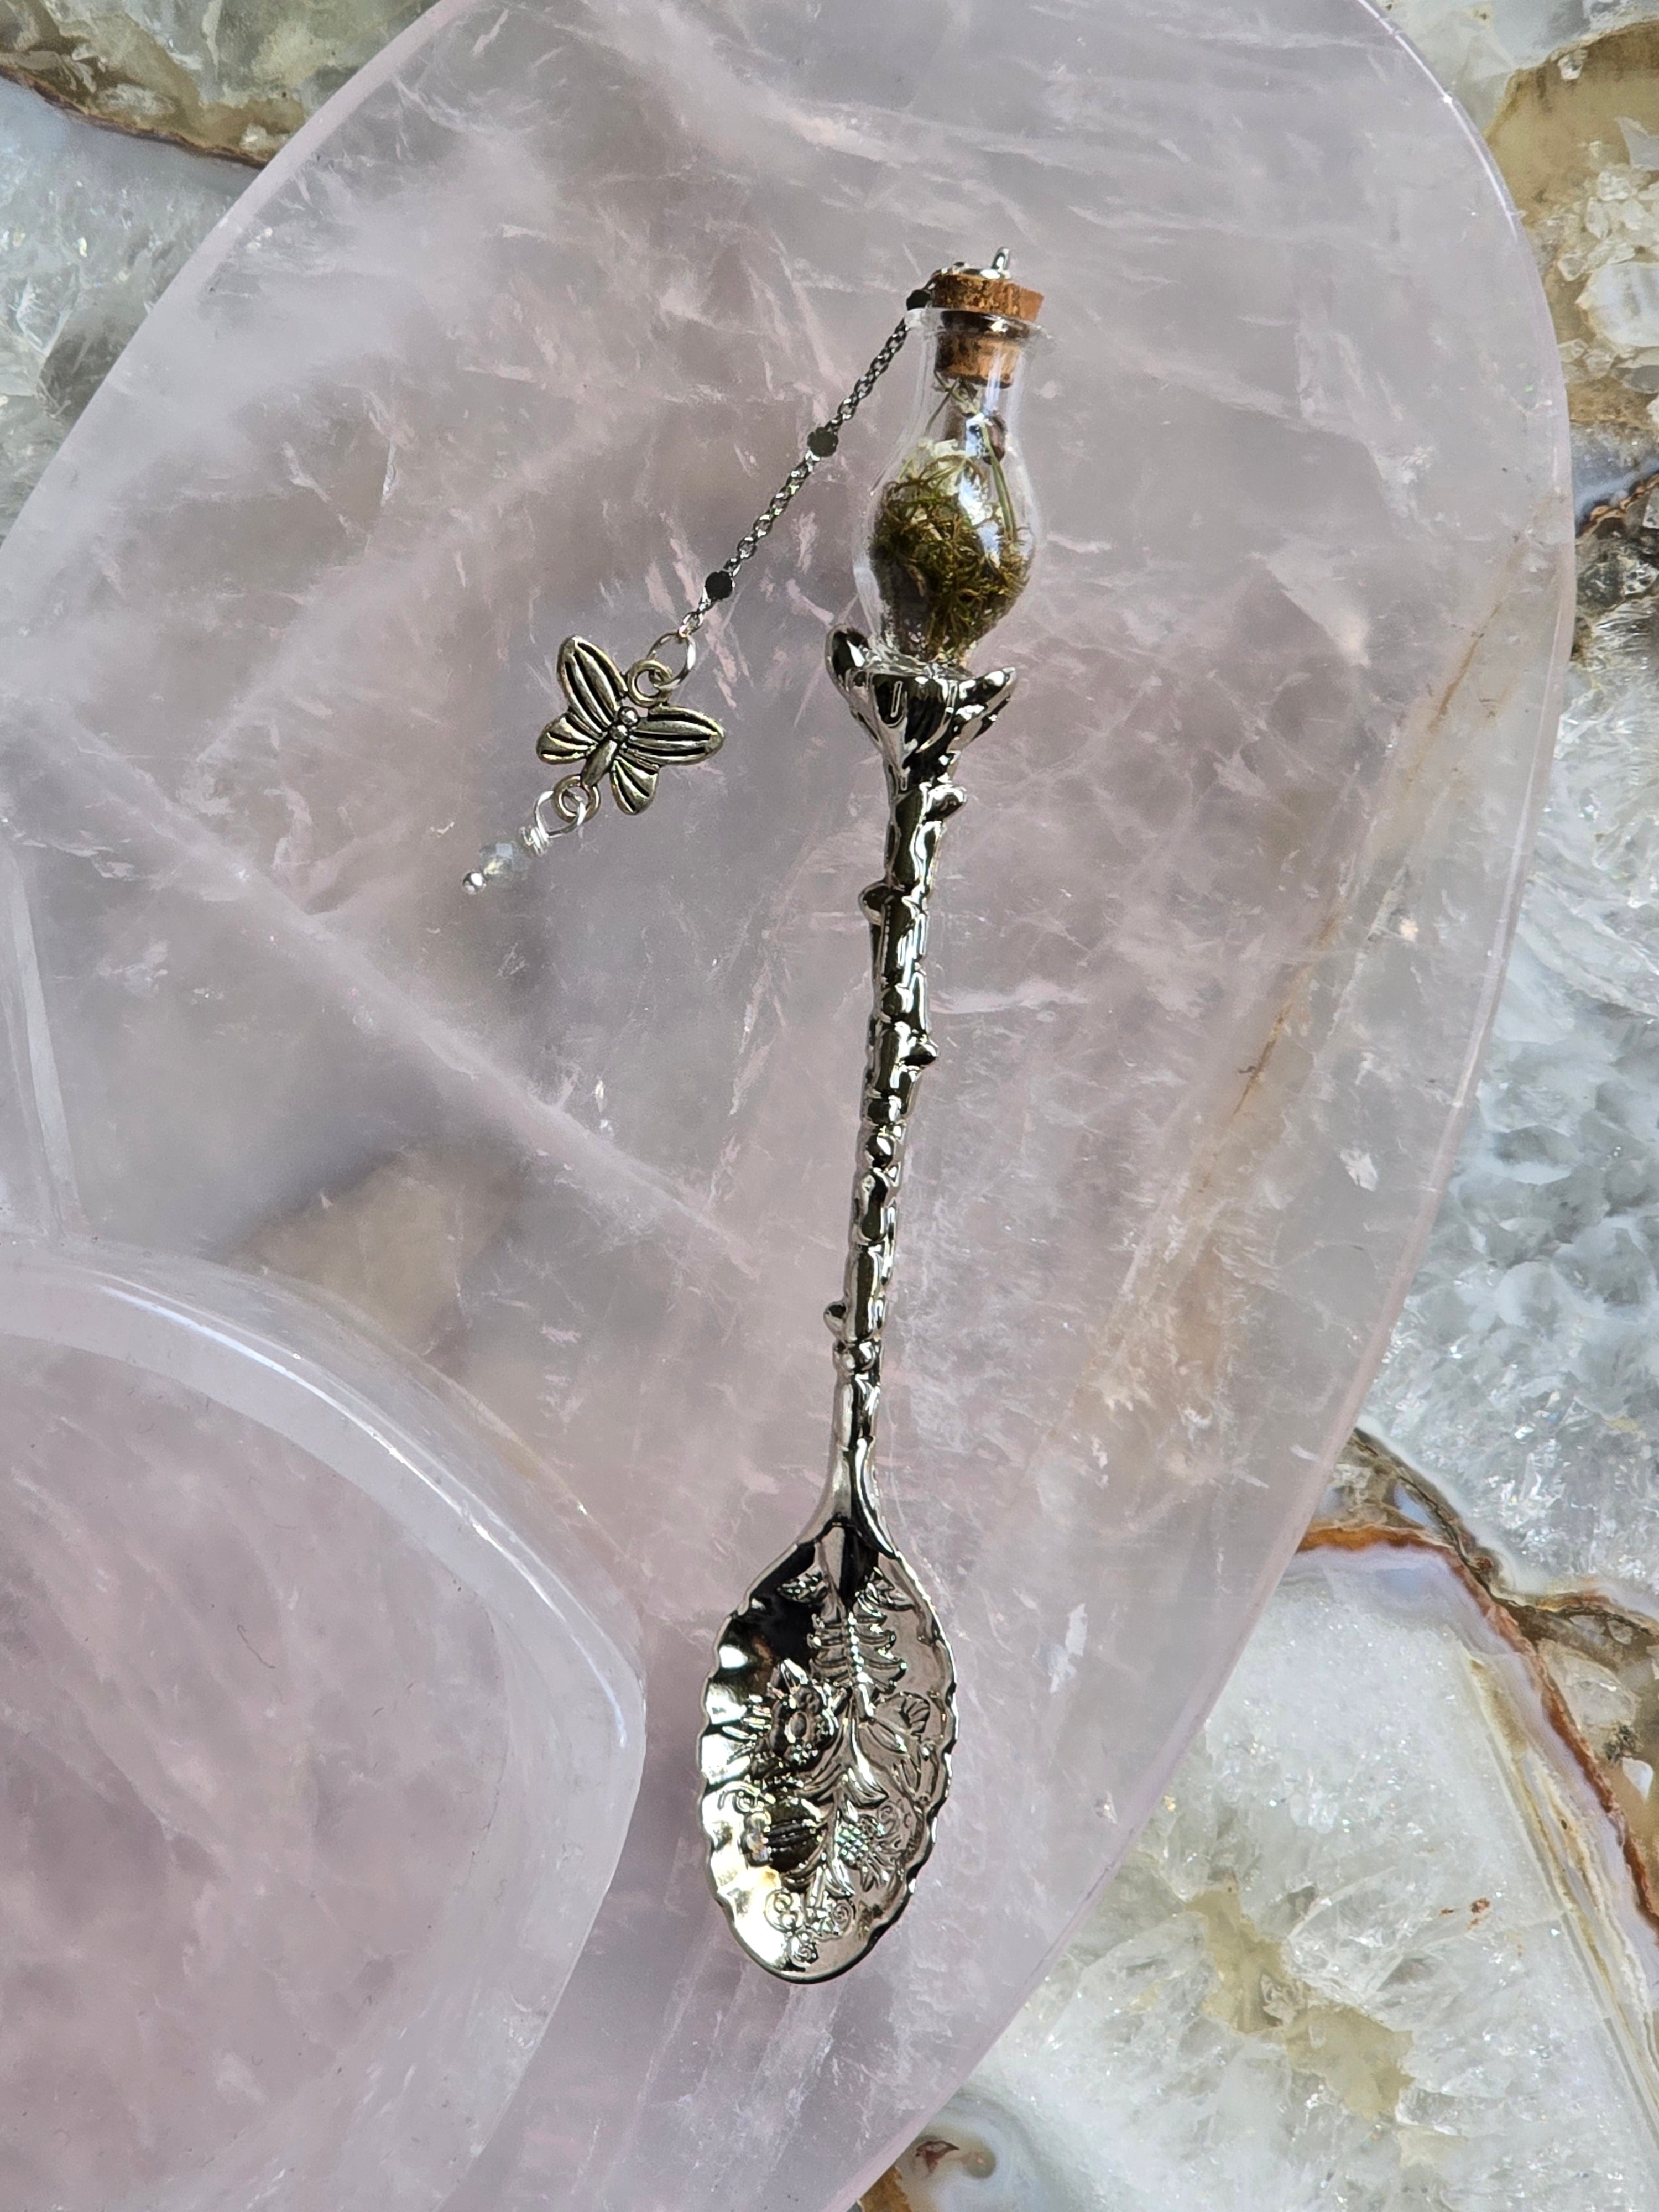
{"x":821,"y":443}
{"x":650,"y":682}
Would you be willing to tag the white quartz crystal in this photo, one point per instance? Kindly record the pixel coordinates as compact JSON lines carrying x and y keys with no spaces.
{"x":1524,"y":1375}
{"x":1336,"y":1971}
{"x":92,"y":227}
{"x":1476,"y":47}
{"x":514,"y":343}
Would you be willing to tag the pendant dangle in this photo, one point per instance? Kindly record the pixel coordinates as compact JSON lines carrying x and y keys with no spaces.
{"x":622,"y":727}
{"x":621,"y":723}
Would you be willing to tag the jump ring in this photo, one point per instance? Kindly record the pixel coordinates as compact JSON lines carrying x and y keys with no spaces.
{"x":652,"y":678}
{"x":571,"y":802}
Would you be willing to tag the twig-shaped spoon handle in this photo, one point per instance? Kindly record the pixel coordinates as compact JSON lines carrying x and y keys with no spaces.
{"x":831,"y":1711}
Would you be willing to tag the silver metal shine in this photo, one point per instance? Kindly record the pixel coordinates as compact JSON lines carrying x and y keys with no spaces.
{"x":821,"y":443}
{"x":603,"y":700}
{"x":831,"y":1711}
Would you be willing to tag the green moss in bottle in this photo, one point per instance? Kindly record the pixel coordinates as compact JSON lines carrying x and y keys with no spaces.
{"x":946,"y":553}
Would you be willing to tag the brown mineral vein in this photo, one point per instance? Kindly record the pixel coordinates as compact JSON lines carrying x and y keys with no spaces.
{"x":1618,"y":581}
{"x":133,"y":84}
{"x":36,"y":73}
{"x":110,"y":68}
{"x":887,"y":2195}
{"x":923,"y":2159}
{"x":1557,"y":132}
{"x":1590,"y":1659}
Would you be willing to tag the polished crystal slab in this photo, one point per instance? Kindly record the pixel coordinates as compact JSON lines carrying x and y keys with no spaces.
{"x":506,"y":350}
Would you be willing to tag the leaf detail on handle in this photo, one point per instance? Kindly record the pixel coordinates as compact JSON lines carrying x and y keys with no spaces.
{"x":831,"y":1713}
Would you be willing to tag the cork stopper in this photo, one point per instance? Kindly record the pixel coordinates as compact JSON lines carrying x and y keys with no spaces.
{"x":984,"y":319}
{"x":983,"y":292}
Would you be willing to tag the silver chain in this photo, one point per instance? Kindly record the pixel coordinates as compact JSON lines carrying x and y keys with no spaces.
{"x":821,"y":443}
{"x":650,"y":683}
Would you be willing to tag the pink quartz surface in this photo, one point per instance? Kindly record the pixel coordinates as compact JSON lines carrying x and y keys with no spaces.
{"x":511,"y":342}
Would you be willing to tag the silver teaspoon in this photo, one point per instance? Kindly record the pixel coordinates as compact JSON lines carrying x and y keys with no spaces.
{"x":830,"y":1714}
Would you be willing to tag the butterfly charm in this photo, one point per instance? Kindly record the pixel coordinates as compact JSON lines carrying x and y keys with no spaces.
{"x":611,"y":734}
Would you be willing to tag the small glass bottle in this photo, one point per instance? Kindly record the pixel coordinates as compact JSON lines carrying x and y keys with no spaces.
{"x":952,"y":528}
